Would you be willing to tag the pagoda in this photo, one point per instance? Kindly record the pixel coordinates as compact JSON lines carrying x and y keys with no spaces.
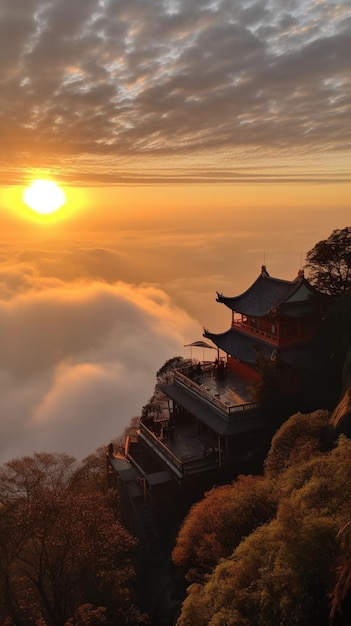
{"x":272,"y":320}
{"x":208,"y":426}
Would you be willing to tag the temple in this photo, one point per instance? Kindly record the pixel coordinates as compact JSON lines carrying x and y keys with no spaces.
{"x":207,"y":425}
{"x":273,"y":320}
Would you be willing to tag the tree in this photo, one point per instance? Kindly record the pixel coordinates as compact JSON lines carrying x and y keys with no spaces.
{"x":90,"y":475}
{"x":64,"y":555}
{"x":301,"y":437}
{"x":164,"y":375}
{"x":333,"y":345}
{"x":294,"y":568}
{"x":329,"y":262}
{"x":216,"y":524}
{"x":23,"y":478}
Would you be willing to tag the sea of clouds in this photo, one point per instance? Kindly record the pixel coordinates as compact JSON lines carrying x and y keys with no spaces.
{"x":78,"y":357}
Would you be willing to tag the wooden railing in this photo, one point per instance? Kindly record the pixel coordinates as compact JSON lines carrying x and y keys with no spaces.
{"x":181,"y":467}
{"x":256,"y":332}
{"x":161,"y":447}
{"x":227,"y":410}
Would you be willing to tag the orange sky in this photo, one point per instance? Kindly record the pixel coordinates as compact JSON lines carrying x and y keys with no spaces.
{"x":92,"y":209}
{"x":171,"y":115}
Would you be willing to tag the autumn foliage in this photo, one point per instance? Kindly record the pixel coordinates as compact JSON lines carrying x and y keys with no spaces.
{"x":217,"y":524}
{"x":274,"y":549}
{"x":64,"y":556}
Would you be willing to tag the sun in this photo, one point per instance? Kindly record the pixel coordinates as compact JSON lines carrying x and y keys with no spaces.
{"x":44,"y":197}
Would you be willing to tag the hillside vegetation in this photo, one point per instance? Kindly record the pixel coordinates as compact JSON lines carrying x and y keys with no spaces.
{"x":65,"y":558}
{"x":274,"y":549}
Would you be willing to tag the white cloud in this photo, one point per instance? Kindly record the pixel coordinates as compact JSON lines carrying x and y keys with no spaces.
{"x":80,"y":343}
{"x":77,"y":363}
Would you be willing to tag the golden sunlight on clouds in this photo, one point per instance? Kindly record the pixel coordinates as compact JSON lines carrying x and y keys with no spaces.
{"x":79,"y":358}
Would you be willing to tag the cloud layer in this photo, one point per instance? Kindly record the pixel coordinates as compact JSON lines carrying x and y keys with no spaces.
{"x":78,"y":360}
{"x":85,"y":325}
{"x":149,"y":78}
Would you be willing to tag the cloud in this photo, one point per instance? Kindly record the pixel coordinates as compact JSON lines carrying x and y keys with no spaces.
{"x":84,"y":326}
{"x":78,"y":361}
{"x":134,"y":79}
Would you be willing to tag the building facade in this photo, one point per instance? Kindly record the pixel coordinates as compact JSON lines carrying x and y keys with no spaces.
{"x":273,"y":320}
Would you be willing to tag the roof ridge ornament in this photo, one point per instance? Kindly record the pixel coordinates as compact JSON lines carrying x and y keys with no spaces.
{"x":264,"y":271}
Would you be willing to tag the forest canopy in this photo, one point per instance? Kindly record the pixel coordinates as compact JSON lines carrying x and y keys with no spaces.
{"x":329,"y":262}
{"x":64,"y":556}
{"x":274,"y":549}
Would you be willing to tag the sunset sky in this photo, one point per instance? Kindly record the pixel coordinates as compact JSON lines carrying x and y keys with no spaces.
{"x":194,"y":141}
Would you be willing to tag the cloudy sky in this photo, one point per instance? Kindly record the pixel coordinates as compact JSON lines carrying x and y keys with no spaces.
{"x":194,"y":141}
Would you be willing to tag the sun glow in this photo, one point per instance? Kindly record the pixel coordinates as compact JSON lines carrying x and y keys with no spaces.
{"x":44,"y":197}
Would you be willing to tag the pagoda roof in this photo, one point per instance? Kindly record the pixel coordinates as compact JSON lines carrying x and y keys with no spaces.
{"x":267,"y":294}
{"x":246,"y":348}
{"x":240,"y":345}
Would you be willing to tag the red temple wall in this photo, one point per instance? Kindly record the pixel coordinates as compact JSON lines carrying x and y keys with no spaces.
{"x":242,"y":370}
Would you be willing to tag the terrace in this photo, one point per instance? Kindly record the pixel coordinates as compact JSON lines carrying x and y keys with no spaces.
{"x":209,"y":406}
{"x":219,"y":388}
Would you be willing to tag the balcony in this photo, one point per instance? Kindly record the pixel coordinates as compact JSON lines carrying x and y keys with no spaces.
{"x":185,"y":454}
{"x":203,"y":431}
{"x":254,"y":331}
{"x":228,"y":396}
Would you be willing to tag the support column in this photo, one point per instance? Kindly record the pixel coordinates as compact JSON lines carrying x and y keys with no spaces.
{"x":219,"y":451}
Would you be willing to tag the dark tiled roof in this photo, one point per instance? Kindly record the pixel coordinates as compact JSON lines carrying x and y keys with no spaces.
{"x":246,"y":348}
{"x":265,"y":294}
{"x":243,"y":347}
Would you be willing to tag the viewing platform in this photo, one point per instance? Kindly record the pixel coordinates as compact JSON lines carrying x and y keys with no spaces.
{"x":224,"y":391}
{"x":191,"y":437}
